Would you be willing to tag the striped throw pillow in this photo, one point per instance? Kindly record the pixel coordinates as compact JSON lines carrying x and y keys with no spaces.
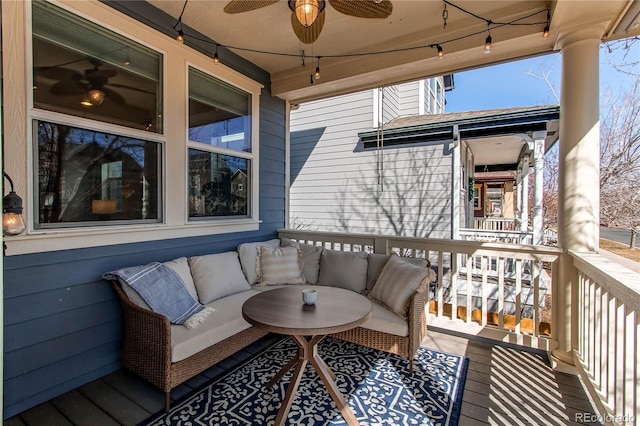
{"x":397,"y":283}
{"x":282,"y":265}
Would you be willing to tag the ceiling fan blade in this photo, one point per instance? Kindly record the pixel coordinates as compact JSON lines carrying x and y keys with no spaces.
{"x":240,"y":6}
{"x":58,"y":73}
{"x":363,"y":8}
{"x":114,"y":96}
{"x":68,"y":88}
{"x":310,"y":34}
{"x":136,"y":89}
{"x":98,"y":73}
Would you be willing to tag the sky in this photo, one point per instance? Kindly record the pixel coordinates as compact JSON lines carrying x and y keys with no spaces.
{"x":508,"y":85}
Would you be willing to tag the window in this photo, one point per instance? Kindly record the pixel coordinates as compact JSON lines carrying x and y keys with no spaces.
{"x":219,"y":148}
{"x":477,"y":188}
{"x":96,"y":94}
{"x":84,"y":70}
{"x":86,"y":176}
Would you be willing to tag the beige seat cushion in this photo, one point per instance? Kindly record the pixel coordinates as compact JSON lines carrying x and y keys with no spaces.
{"x":382,"y":319}
{"x":224,"y":322}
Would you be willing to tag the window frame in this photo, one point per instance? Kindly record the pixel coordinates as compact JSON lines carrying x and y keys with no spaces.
{"x":252,"y":156}
{"x":176,"y":58}
{"x":95,"y":126}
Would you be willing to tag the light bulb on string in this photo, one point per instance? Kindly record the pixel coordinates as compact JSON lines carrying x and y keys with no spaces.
{"x":440,"y":51}
{"x":487,"y":44}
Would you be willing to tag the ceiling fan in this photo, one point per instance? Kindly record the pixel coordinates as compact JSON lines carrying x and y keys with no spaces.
{"x":307,"y":16}
{"x":92,"y":84}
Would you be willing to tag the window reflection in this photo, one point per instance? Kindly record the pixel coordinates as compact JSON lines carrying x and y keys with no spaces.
{"x":88,"y":176}
{"x":218,"y":185}
{"x":82,"y":69}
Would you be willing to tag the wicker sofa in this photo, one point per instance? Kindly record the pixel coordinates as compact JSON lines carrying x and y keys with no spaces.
{"x":167,"y":354}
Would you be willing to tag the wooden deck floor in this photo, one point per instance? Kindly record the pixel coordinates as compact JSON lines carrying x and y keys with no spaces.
{"x":504,"y":386}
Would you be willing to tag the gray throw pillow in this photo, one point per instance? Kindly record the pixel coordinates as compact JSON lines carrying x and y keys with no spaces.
{"x":217,"y":275}
{"x":310,"y":259}
{"x":248,"y":254}
{"x":345,"y":269}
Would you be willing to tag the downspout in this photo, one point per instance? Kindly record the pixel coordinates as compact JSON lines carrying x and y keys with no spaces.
{"x":455,"y":191}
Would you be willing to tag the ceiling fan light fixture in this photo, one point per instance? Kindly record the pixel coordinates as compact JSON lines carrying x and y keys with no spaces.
{"x":306,"y":11}
{"x":96,"y":96}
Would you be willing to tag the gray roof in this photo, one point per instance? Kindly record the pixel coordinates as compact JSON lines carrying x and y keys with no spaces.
{"x":468,"y":116}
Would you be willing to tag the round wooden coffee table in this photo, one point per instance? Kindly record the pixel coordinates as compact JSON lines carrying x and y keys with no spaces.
{"x":282,"y":311}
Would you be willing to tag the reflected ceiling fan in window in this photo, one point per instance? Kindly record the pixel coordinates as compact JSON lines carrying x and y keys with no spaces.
{"x":92,"y":85}
{"x":307,"y":16}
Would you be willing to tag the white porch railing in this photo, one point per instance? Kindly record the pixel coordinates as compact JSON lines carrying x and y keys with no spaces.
{"x":498,"y":296}
{"x":609,"y":336}
{"x":494,"y":223}
{"x":607,"y":303}
{"x":508,"y":237}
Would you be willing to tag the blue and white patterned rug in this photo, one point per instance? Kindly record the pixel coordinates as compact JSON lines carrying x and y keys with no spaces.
{"x":376,"y":385}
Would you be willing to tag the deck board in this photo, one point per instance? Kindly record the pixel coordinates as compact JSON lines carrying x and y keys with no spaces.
{"x":80,"y":410}
{"x":505,"y":385}
{"x":122,"y":409}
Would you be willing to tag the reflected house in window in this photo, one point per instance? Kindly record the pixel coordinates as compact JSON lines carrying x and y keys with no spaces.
{"x":88,"y":176}
{"x":218,"y":185}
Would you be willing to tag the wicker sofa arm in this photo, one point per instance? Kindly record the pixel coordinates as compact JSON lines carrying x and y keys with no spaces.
{"x":417,"y":320}
{"x":146,"y":343}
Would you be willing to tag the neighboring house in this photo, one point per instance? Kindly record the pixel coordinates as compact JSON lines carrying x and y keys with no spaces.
{"x":337,"y":184}
{"x":412,"y":176}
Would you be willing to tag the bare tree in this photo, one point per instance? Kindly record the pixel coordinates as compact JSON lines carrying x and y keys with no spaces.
{"x":619,"y":148}
{"x":620,"y":158}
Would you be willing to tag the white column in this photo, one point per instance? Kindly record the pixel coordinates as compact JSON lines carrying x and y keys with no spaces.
{"x":538,"y":185}
{"x":524,"y":213}
{"x":518,"y":212}
{"x":578,"y":169}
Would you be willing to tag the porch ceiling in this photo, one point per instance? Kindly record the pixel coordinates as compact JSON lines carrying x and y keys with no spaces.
{"x":412,"y":23}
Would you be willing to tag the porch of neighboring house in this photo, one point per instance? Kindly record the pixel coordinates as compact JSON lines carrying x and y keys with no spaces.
{"x":505,"y":385}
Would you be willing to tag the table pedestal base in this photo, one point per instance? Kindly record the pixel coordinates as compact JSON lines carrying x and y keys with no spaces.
{"x":308,"y":352}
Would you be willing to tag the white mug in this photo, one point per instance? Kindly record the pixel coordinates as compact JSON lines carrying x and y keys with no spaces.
{"x":309,"y":296}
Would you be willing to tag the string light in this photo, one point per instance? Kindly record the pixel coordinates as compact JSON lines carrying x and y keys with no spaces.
{"x":438,"y":46}
{"x":487,"y":43}
{"x":545,"y":32}
{"x":317,"y":73}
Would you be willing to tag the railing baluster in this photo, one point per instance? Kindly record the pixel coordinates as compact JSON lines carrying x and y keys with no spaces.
{"x":609,"y":394}
{"x":454,"y":285}
{"x":440,"y":286}
{"x":535,"y":280}
{"x":501,"y":293}
{"x":597,"y":350}
{"x":469,"y":286}
{"x":620,"y":349}
{"x":518,"y":295}
{"x":484,"y":291}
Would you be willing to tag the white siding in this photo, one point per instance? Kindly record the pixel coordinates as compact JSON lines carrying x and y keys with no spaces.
{"x":409,"y":98}
{"x":336,"y":186}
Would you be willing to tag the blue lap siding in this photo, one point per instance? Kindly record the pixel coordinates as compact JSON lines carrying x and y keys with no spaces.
{"x":62,"y":322}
